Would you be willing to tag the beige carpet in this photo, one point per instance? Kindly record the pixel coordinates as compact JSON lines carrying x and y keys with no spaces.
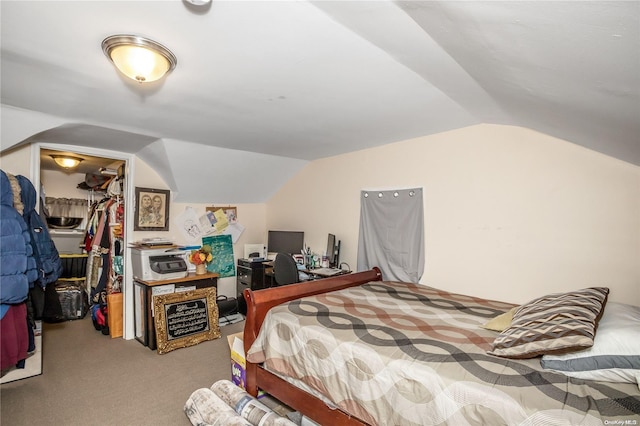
{"x":91,"y":379}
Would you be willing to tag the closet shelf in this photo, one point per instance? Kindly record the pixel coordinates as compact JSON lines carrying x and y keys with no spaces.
{"x":66,"y":231}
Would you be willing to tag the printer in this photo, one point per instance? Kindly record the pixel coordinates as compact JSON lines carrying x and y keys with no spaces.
{"x":157,"y":264}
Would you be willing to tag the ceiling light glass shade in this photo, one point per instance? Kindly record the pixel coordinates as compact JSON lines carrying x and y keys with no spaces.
{"x":66,"y":161}
{"x":139,"y":58}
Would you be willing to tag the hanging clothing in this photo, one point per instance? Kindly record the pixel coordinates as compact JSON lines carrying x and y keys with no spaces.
{"x":46,"y":255}
{"x":44,"y":249}
{"x":17,"y":273}
{"x":99,"y":249}
{"x":15,"y":336}
{"x":17,"y":264}
{"x":105,"y":237}
{"x":103,"y":241}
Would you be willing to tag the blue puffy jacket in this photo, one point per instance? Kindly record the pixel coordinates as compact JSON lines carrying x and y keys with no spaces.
{"x":17,"y":264}
{"x":44,"y":250}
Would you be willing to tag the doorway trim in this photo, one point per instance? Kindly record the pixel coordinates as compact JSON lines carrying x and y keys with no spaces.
{"x":129,"y":159}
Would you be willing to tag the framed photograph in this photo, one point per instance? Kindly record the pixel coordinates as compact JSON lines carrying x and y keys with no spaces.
{"x":185,"y":318}
{"x":230,"y":212}
{"x":152,"y":209}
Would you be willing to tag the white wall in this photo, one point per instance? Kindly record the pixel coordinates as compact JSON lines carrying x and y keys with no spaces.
{"x":17,"y":161}
{"x":510,"y":214}
{"x":61,"y":184}
{"x":251,"y":216}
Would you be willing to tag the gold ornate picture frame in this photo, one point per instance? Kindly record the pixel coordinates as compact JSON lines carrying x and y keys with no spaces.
{"x":185,"y":318}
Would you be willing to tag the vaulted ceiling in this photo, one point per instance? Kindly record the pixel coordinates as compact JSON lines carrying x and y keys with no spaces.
{"x":263,"y":87}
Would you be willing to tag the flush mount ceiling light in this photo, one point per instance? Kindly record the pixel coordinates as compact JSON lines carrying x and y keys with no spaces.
{"x":139,"y":58}
{"x":66,"y":161}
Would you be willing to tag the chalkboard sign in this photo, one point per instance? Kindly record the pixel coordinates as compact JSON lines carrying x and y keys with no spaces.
{"x":185,"y":318}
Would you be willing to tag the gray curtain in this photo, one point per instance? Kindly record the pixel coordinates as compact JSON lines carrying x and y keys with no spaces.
{"x":392,"y":233}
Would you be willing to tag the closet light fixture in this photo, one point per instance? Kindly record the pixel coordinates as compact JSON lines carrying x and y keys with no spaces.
{"x":66,"y":161}
{"x":139,"y":58}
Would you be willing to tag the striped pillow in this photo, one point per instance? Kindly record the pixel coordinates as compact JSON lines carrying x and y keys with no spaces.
{"x":553,"y":324}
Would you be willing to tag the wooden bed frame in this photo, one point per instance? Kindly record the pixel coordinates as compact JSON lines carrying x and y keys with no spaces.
{"x":258,"y":303}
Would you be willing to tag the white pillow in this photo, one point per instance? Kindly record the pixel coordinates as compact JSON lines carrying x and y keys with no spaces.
{"x":615,"y":354}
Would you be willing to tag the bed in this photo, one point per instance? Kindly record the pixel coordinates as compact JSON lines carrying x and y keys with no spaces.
{"x":354,"y":349}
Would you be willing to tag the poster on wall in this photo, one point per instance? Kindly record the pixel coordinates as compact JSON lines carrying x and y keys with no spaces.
{"x":222,"y":249}
{"x":189,"y":225}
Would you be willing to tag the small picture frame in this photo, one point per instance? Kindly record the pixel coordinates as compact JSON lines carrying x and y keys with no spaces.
{"x":152,"y":209}
{"x":230,"y":212}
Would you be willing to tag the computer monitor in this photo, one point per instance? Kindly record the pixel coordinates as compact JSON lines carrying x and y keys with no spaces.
{"x":291,"y":242}
{"x":333,"y":250}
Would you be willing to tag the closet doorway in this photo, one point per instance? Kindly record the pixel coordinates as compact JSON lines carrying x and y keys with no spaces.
{"x":99,"y":183}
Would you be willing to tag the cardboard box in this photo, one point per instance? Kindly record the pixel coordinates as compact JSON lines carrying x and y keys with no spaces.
{"x":238,"y":361}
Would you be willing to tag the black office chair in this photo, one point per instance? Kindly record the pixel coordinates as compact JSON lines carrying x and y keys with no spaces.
{"x":285,"y":269}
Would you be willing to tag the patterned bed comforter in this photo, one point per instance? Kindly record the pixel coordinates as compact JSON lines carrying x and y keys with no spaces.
{"x":407,"y":354}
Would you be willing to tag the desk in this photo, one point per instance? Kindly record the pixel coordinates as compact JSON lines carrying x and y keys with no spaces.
{"x":145,"y":329}
{"x":270,"y":279}
{"x":269,"y":275}
{"x":249,"y":275}
{"x":317,"y":276}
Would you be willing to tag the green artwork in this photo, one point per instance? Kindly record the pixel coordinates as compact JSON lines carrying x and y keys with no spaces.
{"x":222,"y":249}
